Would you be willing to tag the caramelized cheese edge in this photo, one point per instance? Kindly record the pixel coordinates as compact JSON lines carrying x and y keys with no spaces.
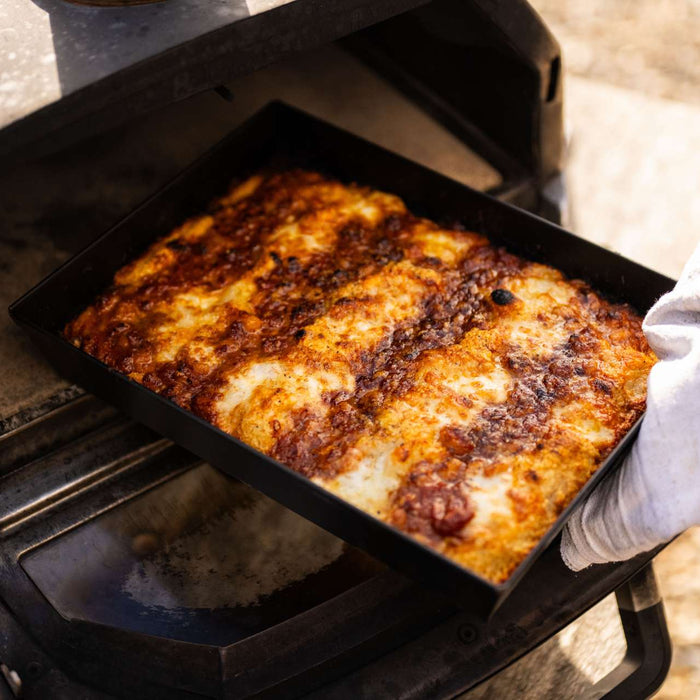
{"x":458,"y":392}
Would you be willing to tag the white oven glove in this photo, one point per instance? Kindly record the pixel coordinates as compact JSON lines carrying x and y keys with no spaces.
{"x":655,"y":494}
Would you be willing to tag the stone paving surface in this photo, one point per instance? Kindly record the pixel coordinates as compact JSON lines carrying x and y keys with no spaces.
{"x":678,"y":571}
{"x":650,"y":46}
{"x":634,"y":182}
{"x":633,"y":172}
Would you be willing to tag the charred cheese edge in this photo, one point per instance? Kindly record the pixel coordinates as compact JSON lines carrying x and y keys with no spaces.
{"x":458,"y":392}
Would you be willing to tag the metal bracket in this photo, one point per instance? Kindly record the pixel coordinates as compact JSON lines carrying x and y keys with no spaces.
{"x":648,"y":657}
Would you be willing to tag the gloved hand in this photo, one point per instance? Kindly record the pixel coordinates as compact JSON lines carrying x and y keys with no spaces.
{"x":656,"y":492}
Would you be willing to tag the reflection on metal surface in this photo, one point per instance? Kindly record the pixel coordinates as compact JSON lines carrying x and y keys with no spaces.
{"x":201,"y":558}
{"x":82,"y":464}
{"x":257,"y":6}
{"x":250,"y":550}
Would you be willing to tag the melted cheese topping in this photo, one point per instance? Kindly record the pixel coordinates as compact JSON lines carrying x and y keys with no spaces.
{"x":447,"y":387}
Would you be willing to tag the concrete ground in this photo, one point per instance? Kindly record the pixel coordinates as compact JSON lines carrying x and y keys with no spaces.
{"x":632,"y":95}
{"x":635,"y":187}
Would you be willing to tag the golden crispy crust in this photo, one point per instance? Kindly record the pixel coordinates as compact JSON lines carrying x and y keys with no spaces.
{"x":454,"y":390}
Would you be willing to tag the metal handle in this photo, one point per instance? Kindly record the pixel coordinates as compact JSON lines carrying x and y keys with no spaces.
{"x":648,"y":656}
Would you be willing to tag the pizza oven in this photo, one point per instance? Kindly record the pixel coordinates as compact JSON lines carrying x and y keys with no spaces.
{"x":130,"y":568}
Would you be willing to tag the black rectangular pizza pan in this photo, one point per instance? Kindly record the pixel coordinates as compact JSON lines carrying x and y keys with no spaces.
{"x":286,"y":137}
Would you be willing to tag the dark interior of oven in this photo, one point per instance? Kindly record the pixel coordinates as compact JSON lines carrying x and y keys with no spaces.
{"x":130,"y":568}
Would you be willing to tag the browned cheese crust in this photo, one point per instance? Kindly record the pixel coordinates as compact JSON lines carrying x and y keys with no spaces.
{"x":447,"y":387}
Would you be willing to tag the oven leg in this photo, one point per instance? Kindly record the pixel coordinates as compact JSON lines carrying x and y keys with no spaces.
{"x":648,"y":656}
